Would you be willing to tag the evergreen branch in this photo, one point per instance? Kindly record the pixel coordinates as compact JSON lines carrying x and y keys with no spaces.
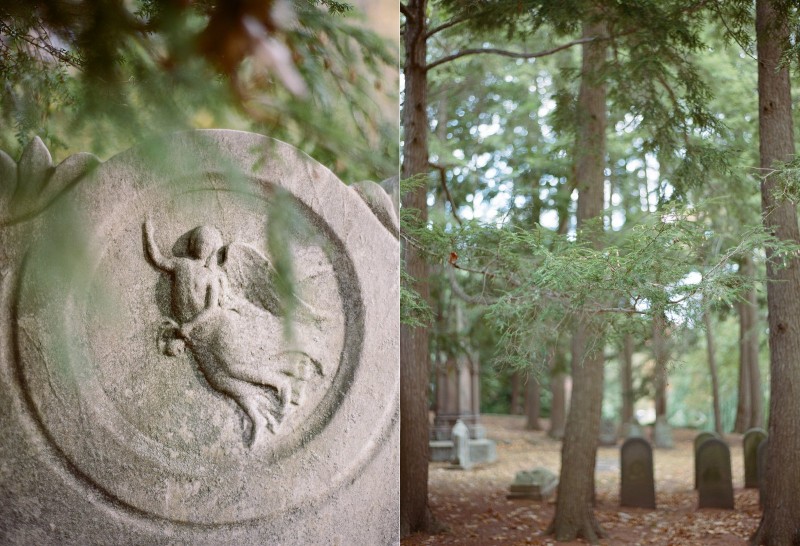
{"x":675,"y":103}
{"x":512,"y":54}
{"x":452,"y":22}
{"x":43,"y":45}
{"x":459,"y":291}
{"x":443,"y":180}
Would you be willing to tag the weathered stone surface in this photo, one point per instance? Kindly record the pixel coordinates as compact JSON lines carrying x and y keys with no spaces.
{"x":752,"y":439}
{"x":460,"y":437}
{"x":698,"y":441}
{"x":714,"y":482}
{"x":537,"y":484}
{"x":637,"y":485}
{"x":149,"y":393}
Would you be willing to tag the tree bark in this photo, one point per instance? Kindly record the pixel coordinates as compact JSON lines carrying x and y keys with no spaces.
{"x":516,"y":393}
{"x":756,"y":416}
{"x":781,"y":503}
{"x":558,"y":404}
{"x":532,"y":403}
{"x":414,"y":358}
{"x":661,"y":355}
{"x":626,"y":381}
{"x":574,"y":514}
{"x":743,"y":409}
{"x":712,"y":368}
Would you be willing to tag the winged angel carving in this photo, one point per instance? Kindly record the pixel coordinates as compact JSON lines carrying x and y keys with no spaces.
{"x":227,"y":314}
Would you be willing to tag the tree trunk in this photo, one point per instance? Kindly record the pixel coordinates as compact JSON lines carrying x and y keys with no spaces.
{"x":532,"y":403}
{"x":712,"y":368}
{"x":661,"y":355}
{"x":743,"y":408}
{"x":558,"y":404}
{"x":662,"y":435}
{"x":626,"y":382}
{"x":781,"y":503}
{"x":574,"y":514}
{"x":516,"y":393}
{"x":414,"y":359}
{"x":750,"y":307}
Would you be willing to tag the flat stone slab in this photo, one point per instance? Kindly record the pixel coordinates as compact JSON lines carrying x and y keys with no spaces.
{"x":149,"y":392}
{"x":537,"y":484}
{"x":480,"y":451}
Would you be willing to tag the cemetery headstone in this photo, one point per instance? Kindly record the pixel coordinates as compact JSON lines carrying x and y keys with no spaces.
{"x":159,"y":386}
{"x":698,"y":440}
{"x":637,"y":484}
{"x":662,"y":433}
{"x":461,"y":453}
{"x":752,"y":439}
{"x":537,"y":484}
{"x":715,"y":484}
{"x":608,"y":432}
{"x":761,"y":467}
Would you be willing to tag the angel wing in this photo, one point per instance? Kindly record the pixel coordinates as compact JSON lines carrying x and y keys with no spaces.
{"x":251,"y":275}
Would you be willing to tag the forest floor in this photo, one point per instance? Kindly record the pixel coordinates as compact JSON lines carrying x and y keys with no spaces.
{"x":473,"y":509}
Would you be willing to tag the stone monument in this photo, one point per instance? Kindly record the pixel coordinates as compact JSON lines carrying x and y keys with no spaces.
{"x":458,"y":399}
{"x":752,"y":439}
{"x":461,"y":455}
{"x":537,"y":484}
{"x":637,"y":484}
{"x":714,"y":482}
{"x":698,"y":441}
{"x":164,"y":382}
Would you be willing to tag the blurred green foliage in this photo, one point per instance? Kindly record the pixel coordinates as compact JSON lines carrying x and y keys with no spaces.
{"x":100,"y":76}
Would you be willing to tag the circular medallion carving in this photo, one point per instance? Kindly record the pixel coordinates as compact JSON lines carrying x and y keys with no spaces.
{"x":154,"y":353}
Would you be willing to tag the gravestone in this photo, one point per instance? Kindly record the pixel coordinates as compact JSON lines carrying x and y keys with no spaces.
{"x":761,"y":468}
{"x":637,"y":484}
{"x":714,"y":482}
{"x":458,"y":398}
{"x":662,"y":433}
{"x":537,"y":484}
{"x":698,"y":440}
{"x":608,"y":433}
{"x":752,"y":439}
{"x":157,"y":385}
{"x":460,"y":435}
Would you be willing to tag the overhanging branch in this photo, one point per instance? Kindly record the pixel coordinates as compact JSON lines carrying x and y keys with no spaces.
{"x":452,"y":22}
{"x":512,"y":54}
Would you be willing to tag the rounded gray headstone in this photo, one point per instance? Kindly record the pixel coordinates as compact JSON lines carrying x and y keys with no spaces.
{"x":698,"y":441}
{"x":637,"y":484}
{"x":750,"y":442}
{"x":714,"y":481}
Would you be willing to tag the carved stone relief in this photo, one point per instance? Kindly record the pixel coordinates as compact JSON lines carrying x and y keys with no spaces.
{"x":155,"y":361}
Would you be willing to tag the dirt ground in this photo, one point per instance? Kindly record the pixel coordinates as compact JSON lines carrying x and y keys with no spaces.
{"x":473,"y":508}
